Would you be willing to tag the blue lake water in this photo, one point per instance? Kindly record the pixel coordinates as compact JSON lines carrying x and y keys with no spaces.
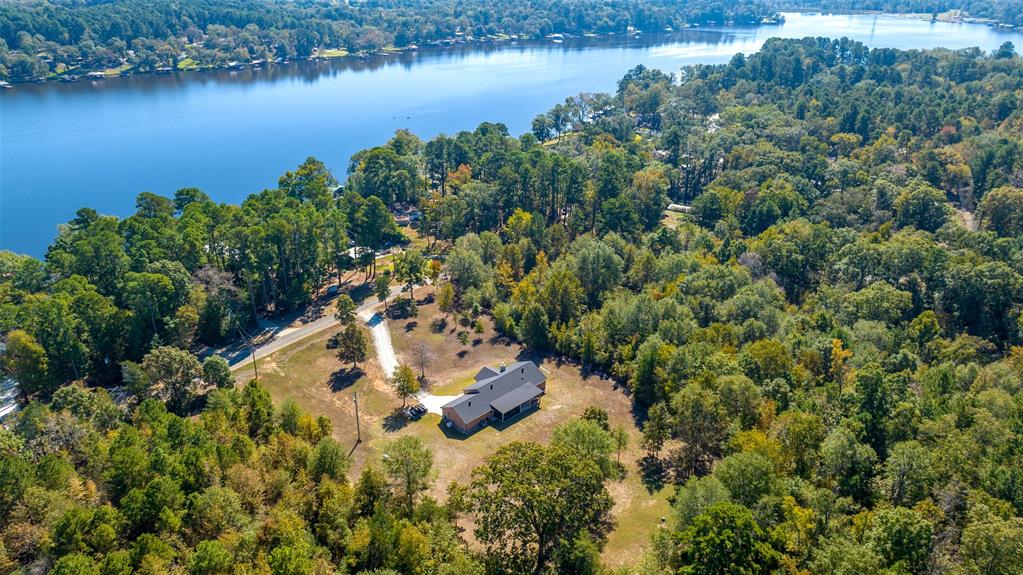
{"x":232,"y":133}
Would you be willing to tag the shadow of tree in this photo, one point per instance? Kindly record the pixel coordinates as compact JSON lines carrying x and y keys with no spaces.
{"x":345,"y":378}
{"x":653,"y":472}
{"x":360,"y":293}
{"x":500,"y":340}
{"x":411,"y":326}
{"x":395,"y":421}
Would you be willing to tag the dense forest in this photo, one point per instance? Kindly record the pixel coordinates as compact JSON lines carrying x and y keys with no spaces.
{"x":825,"y":350}
{"x":45,"y":37}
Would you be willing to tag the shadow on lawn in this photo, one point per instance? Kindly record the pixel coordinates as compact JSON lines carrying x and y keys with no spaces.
{"x":396,"y":421}
{"x":653,"y":471}
{"x":344,"y":378}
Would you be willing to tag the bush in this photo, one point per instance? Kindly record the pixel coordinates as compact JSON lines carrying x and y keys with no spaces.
{"x":403,"y":308}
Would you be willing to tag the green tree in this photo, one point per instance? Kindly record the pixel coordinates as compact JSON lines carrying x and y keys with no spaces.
{"x":291,"y":560}
{"x":902,"y":537}
{"x":695,"y":497}
{"x":922,"y":207}
{"x":136,"y":380}
{"x":580,"y":556}
{"x":210,"y":558}
{"x":620,"y":439}
{"x":382,"y":288}
{"x":258,"y":410}
{"x":647,"y":374}
{"x":533,"y":329}
{"x":404,"y":383}
{"x":766,"y":359}
{"x":410,"y":267}
{"x":1002,"y":211}
{"x":344,"y":309}
{"x":26,"y":362}
{"x":445,"y":298}
{"x":352,"y":347}
{"x":466,"y":269}
{"x":217,"y":372}
{"x":842,"y":556}
{"x":848,"y":464}
{"x":528,"y":500}
{"x":907,"y":475}
{"x":408,"y":464}
{"x":174,"y":372}
{"x":588,"y":440}
{"x":75,"y":564}
{"x":723,"y":541}
{"x":329,"y":461}
{"x":982,"y":297}
{"x":597,"y":266}
{"x":993,"y":546}
{"x":562,"y":296}
{"x":700,"y":422}
{"x":375,"y":224}
{"x":747,"y":476}
{"x":598,"y":415}
{"x":657,"y":428}
{"x":215,"y":511}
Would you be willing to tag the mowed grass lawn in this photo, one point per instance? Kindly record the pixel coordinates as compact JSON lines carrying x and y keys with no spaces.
{"x":311,"y":375}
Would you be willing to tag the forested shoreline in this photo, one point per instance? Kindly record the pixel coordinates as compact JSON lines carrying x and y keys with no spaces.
{"x":1006,"y":12}
{"x":825,"y":351}
{"x":65,"y":38}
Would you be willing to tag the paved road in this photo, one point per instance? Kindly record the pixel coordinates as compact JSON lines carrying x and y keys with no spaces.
{"x":289,"y":335}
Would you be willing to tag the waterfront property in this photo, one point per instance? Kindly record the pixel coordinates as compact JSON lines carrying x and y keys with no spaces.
{"x":496,"y":395}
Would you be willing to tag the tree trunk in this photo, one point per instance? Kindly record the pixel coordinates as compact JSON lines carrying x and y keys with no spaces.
{"x":541,"y":557}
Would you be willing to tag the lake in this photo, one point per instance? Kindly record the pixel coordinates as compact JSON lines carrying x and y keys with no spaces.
{"x":232,"y":133}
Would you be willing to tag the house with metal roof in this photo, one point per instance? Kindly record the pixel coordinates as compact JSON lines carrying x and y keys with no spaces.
{"x":497,"y":394}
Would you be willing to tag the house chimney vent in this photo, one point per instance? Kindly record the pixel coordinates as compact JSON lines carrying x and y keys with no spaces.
{"x":502,"y":367}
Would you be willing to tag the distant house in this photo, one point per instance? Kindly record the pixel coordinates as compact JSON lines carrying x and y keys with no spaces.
{"x":8,"y":392}
{"x":497,"y":394}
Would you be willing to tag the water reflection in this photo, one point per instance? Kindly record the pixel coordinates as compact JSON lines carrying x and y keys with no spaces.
{"x":233,"y":132}
{"x":312,"y":71}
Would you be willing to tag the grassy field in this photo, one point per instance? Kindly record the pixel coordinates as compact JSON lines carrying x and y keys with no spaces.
{"x":673,"y":220}
{"x":309,"y":374}
{"x":332,"y":53}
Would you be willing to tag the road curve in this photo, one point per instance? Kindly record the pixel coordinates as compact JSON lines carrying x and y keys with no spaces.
{"x":288,"y":336}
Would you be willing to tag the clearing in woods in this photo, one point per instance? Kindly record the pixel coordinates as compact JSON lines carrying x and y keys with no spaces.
{"x":312,"y":376}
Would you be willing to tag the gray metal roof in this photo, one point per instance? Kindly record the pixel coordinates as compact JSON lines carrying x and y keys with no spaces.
{"x":485,"y":393}
{"x":485,"y":373}
{"x":515,"y":398}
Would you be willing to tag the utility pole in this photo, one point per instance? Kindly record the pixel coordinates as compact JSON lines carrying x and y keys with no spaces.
{"x":358,"y":429}
{"x":252,"y":352}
